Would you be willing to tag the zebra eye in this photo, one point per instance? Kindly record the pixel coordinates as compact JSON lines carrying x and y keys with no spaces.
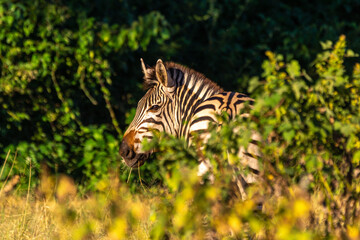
{"x":154,"y":108}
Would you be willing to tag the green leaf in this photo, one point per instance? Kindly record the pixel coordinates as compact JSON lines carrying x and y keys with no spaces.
{"x":346,"y":129}
{"x":326,"y":45}
{"x":289,"y":135}
{"x":356,"y":158}
{"x":253,"y":84}
{"x":293,"y":69}
{"x":272,"y":100}
{"x":297,"y":87}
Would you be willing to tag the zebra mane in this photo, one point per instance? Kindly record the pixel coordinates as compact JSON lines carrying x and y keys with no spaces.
{"x":151,"y":81}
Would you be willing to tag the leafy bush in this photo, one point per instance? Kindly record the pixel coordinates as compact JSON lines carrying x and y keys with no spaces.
{"x":56,"y":72}
{"x":309,"y":177}
{"x":69,"y":68}
{"x":69,"y":82}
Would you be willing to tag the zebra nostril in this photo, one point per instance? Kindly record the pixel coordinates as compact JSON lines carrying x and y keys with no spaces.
{"x":127,"y":145}
{"x":125,"y":150}
{"x":130,"y":154}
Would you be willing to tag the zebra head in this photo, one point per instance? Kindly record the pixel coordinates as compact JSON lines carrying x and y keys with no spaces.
{"x":155,"y":111}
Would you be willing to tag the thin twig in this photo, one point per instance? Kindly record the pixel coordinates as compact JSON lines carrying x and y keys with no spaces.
{"x":27,"y":196}
{"x":106,"y":96}
{"x":273,"y":109}
{"x":28,"y":192}
{"x":129,"y":176}
{"x":60,"y":96}
{"x":2,"y":188}
{"x":140,"y":177}
{"x":7,"y":155}
{"x":56,"y":85}
{"x":83,"y":87}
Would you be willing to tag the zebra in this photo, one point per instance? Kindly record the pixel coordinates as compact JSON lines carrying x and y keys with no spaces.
{"x":181,"y":102}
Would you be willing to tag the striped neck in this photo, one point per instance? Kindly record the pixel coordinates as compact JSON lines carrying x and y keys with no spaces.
{"x":192,"y":88}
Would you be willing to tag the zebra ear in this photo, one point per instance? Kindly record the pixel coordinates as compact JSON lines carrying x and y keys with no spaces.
{"x":162,"y":75}
{"x":145,"y":71}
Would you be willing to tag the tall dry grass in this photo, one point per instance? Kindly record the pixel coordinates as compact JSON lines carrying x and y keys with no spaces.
{"x":100,"y":216}
{"x":54,"y":210}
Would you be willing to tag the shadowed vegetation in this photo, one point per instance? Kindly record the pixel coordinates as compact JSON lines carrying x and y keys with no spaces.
{"x":70,"y":79}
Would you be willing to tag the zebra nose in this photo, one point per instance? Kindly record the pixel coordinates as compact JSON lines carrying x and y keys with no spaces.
{"x":125,"y":151}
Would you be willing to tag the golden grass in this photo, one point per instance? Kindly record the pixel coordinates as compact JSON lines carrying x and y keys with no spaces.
{"x":95,"y":217}
{"x":54,"y":210}
{"x":20,"y":220}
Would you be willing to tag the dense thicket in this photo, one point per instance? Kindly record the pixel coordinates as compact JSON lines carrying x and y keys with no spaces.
{"x":70,"y":75}
{"x":70,"y":79}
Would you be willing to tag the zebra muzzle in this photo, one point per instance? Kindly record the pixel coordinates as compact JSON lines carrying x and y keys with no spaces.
{"x":138,"y":160}
{"x":131,"y":158}
{"x":126,"y":151}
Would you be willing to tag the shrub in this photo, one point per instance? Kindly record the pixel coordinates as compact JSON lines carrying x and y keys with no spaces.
{"x":56,"y":72}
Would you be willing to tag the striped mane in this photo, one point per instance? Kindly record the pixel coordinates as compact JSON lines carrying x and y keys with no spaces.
{"x":191,"y":78}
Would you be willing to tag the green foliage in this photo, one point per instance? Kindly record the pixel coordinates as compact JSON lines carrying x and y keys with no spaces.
{"x":57,"y":72}
{"x":70,"y":79}
{"x":70,"y":67}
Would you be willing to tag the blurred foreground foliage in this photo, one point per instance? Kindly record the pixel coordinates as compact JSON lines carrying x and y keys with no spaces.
{"x":309,"y":184}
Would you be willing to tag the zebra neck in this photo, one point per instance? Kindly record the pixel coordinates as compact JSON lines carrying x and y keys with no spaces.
{"x":191,"y":91}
